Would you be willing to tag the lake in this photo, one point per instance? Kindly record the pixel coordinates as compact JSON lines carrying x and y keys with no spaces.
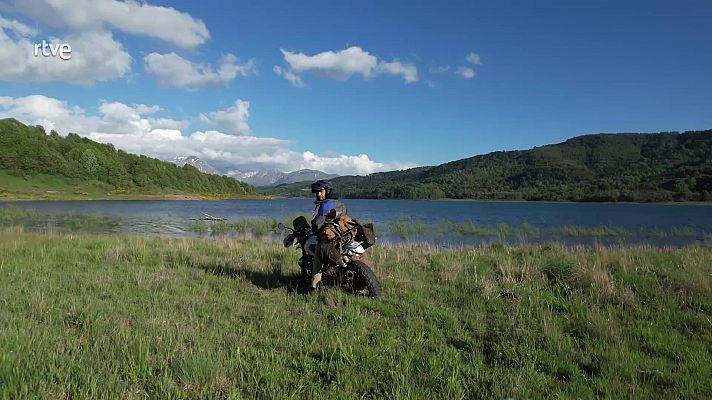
{"x":447,"y":223}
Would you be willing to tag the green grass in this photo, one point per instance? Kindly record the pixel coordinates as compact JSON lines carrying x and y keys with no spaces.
{"x":596,"y":231}
{"x":240,"y":228}
{"x":15,"y":215}
{"x":131,"y":317}
{"x":256,"y":226}
{"x":707,"y":237}
{"x":469,"y":228}
{"x":200,"y":227}
{"x":404,"y":227}
{"x":32,"y":220}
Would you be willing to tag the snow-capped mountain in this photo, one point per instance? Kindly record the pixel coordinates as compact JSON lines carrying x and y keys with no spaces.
{"x":258,"y":178}
{"x":304,"y":175}
{"x":267,"y":177}
{"x":201,"y":165}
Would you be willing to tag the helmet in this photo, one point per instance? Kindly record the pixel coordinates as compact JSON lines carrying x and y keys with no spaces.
{"x":321,"y":184}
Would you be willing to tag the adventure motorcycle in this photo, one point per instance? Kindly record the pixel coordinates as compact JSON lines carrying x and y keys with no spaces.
{"x":353,"y":275}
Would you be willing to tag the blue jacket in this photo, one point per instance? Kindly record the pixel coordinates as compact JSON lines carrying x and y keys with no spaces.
{"x":324,"y":207}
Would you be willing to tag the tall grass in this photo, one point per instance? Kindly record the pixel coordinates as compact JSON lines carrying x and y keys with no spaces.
{"x":257,"y":226}
{"x":12,"y":215}
{"x":133,"y":317}
{"x":240,"y":228}
{"x":596,"y":231}
{"x":404,"y":227}
{"x":16,"y":216}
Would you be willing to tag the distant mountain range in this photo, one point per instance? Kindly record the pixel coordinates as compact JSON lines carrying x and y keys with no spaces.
{"x":201,"y":165}
{"x":269,"y":178}
{"x":257,"y":178}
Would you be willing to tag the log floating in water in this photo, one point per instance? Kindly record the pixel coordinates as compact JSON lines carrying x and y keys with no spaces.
{"x":208,"y":217}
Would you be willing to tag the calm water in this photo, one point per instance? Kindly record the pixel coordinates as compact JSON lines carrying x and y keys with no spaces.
{"x":174,"y":217}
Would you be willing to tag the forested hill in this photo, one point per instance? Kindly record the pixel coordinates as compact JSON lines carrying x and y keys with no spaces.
{"x":603,"y":167}
{"x":28,"y":152}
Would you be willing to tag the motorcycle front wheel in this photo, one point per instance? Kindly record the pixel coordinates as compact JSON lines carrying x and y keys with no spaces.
{"x":364,"y":281}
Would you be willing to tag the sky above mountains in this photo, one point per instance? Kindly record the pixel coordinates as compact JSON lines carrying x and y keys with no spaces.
{"x":354,"y":87}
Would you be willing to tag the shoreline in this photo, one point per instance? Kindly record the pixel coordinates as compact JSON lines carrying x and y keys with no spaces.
{"x":166,"y":197}
{"x":673,"y":203}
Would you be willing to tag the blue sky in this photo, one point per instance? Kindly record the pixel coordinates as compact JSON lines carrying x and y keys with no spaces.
{"x":547,"y":71}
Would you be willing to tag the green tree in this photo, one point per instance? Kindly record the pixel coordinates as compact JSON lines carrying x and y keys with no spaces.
{"x":90,"y":163}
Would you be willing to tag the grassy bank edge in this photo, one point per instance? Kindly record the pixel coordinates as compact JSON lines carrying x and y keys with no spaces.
{"x":51,"y":187}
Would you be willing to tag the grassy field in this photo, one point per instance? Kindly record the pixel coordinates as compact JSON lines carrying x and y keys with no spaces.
{"x":52,"y":187}
{"x":88,"y":316}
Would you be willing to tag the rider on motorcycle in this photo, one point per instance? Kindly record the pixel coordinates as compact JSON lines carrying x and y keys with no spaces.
{"x":334,"y":240}
{"x":326,"y":204}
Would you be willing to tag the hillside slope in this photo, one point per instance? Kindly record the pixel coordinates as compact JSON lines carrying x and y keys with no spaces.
{"x":603,"y":167}
{"x":34,"y":164}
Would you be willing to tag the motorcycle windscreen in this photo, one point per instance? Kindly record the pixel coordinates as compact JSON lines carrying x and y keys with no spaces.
{"x":300,"y":223}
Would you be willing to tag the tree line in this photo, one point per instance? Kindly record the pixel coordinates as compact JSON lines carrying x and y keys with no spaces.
{"x":28,"y":150}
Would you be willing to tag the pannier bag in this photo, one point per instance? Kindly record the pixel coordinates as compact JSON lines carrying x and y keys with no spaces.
{"x":366,"y":235}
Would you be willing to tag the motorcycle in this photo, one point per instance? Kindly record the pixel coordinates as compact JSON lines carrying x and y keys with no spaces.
{"x":352,"y":275}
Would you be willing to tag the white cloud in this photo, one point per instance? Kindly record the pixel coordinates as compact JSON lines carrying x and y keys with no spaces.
{"x":465,"y":72}
{"x":127,"y":127}
{"x":473,"y":58}
{"x":121,"y":111}
{"x":112,"y":117}
{"x":439,"y":69}
{"x":51,"y":113}
{"x":164,"y":23}
{"x":233,"y":120}
{"x":408,"y":71}
{"x":290,"y":76}
{"x":342,"y":65}
{"x":242,"y":152}
{"x":168,"y":123}
{"x":120,"y":118}
{"x":95,"y":56}
{"x":339,"y":65}
{"x":17,"y":27}
{"x":174,"y":70}
{"x":208,"y":145}
{"x":345,"y":164}
{"x":468,"y":72}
